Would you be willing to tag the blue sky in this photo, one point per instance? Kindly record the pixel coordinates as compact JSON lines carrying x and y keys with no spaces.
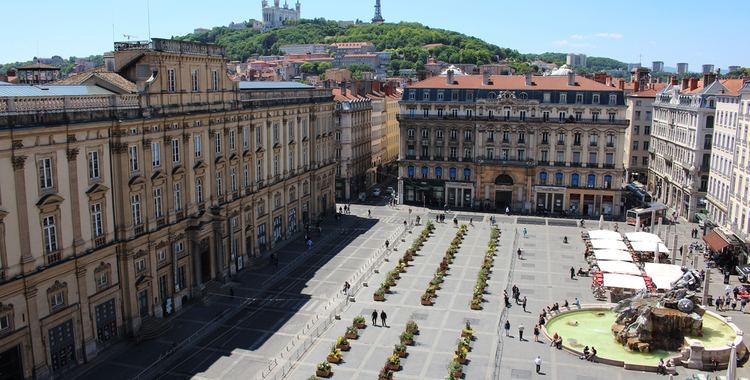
{"x":669,"y":31}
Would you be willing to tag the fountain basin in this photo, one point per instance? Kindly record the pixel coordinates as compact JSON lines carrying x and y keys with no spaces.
{"x":591,"y":326}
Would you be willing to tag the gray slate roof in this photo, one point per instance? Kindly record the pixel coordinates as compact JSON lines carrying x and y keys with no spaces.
{"x":273,"y":86}
{"x":52,"y":90}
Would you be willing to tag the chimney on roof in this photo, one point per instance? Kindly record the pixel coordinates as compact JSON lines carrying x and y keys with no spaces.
{"x":449,"y":76}
{"x":485,"y":78}
{"x":343,"y":88}
{"x":572,"y":78}
{"x":708,"y":78}
{"x":353,"y":88}
{"x":693,"y":84}
{"x":636,"y":86}
{"x":529,"y":79}
{"x":685,"y":84}
{"x":673,"y":80}
{"x":621,"y":84}
{"x":608,"y":81}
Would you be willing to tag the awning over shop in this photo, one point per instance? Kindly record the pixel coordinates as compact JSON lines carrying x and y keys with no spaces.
{"x":715,"y":241}
{"x":608,"y":244}
{"x":623,"y":281}
{"x":643,"y":236}
{"x":622,"y":267}
{"x":663,"y":275}
{"x":646,"y":246}
{"x":612,"y":255}
{"x":605,"y":235}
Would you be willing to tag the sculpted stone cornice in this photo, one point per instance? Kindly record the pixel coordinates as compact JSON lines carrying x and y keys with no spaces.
{"x":18,"y":162}
{"x":72,"y":154}
{"x":118,"y":147}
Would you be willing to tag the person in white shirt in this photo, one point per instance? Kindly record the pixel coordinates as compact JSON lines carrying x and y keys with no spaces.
{"x":538,"y":363}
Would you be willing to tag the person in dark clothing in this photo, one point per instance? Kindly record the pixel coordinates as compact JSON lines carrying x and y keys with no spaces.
{"x":572,"y":273}
{"x":383,"y":316}
{"x":523,"y":303}
{"x":374,"y":317}
{"x":387,"y":243}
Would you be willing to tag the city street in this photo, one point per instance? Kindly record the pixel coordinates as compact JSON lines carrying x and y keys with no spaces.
{"x":256,"y":329}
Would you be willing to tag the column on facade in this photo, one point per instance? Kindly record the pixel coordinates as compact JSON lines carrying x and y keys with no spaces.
{"x":87,"y":330}
{"x":27,"y":260}
{"x":78,"y":243}
{"x":38,"y":350}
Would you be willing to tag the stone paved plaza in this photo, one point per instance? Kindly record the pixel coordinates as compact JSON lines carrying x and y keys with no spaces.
{"x":245,"y":333}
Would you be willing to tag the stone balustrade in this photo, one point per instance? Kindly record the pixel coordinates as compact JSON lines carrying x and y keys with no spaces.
{"x":66,"y":103}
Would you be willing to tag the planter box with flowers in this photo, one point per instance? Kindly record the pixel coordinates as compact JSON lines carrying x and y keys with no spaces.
{"x":400,"y":350}
{"x":426,"y":299}
{"x":379,"y":295}
{"x":385,"y":374}
{"x":323,"y":370}
{"x":484,"y":272}
{"x":455,"y":370}
{"x":467,"y":331}
{"x":359,"y":322}
{"x":393,"y":363}
{"x":335,"y":356}
{"x":437,"y":279}
{"x":407,"y":338}
{"x":343,"y":344}
{"x":352,"y":332}
{"x":411,"y":327}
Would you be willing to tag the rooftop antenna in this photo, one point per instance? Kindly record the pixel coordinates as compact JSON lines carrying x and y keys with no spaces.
{"x":148,"y":17}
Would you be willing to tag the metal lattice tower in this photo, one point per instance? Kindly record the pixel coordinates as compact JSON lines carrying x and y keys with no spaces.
{"x":378,"y":19}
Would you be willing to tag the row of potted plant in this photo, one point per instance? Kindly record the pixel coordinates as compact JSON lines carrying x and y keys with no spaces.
{"x":393,"y":363}
{"x":437,"y":278}
{"x":342,"y":345}
{"x":456,"y":366}
{"x":485,"y":270}
{"x":403,"y":262}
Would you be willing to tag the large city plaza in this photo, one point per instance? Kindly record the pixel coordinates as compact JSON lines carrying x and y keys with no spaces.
{"x":281,"y":322}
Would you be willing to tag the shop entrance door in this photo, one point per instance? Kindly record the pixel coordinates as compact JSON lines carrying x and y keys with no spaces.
{"x":503,"y":199}
{"x":10,"y":364}
{"x":62,"y":346}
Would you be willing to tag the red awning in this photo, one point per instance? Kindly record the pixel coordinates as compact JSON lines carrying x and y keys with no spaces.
{"x":715,"y":241}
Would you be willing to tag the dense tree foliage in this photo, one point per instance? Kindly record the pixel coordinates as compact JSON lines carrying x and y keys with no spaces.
{"x":65,"y":68}
{"x":404,"y":39}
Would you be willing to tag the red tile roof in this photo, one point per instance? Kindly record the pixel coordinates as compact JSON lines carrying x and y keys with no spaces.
{"x":733,"y":86}
{"x":513,"y":82}
{"x":650,"y":92}
{"x":338,"y":97}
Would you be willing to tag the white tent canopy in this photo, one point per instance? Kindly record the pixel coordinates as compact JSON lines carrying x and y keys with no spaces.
{"x":648,"y":246}
{"x":605,"y":235}
{"x":609,"y":244}
{"x":623,"y":281}
{"x":662,"y":275}
{"x":612,"y":255}
{"x":619,"y":267}
{"x":643,"y":236}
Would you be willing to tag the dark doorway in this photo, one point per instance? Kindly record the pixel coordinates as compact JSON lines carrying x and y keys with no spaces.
{"x":106,"y":322}
{"x":504,"y":180}
{"x":11,"y":367}
{"x":143,"y":303}
{"x":62,"y":346}
{"x":503,"y":199}
{"x":205,"y":266}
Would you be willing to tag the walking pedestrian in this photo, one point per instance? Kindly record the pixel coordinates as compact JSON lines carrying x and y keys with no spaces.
{"x":520,"y":332}
{"x":387,"y":243}
{"x":525,"y":232}
{"x":572,"y":273}
{"x":369,"y":213}
{"x":346,"y":287}
{"x":507,"y":210}
{"x":374,"y":317}
{"x":523,"y":303}
{"x":519,"y":253}
{"x":471,"y":222}
{"x":577,"y":302}
{"x":536,"y":333}
{"x":383,"y":316}
{"x":538,"y":364}
{"x":507,"y":328}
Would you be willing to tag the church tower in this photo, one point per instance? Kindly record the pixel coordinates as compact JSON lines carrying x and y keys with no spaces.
{"x":378,"y":19}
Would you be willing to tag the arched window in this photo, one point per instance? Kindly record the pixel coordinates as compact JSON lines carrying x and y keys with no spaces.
{"x":292,"y":194}
{"x":575,"y":180}
{"x":558,"y":179}
{"x":410,"y":171}
{"x":504,"y":179}
{"x":452,"y":173}
{"x":591,"y":180}
{"x":438,"y":172}
{"x":425,"y":170}
{"x":607,"y":181}
{"x":467,"y":174}
{"x":543,"y":178}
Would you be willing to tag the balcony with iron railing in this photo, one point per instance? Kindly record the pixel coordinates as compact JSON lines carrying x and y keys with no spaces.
{"x":415,"y":117}
{"x":506,"y":162}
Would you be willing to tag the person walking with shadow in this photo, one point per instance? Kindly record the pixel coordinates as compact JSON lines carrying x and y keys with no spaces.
{"x":383,"y":316}
{"x":538,"y":364}
{"x":523,"y":303}
{"x":507,"y":328}
{"x":572,"y":273}
{"x":520,"y":332}
{"x":374,"y":317}
{"x":536,"y":333}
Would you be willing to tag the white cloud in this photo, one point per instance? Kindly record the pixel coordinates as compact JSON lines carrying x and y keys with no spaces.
{"x":615,"y":36}
{"x":561,"y":42}
{"x":577,"y":37}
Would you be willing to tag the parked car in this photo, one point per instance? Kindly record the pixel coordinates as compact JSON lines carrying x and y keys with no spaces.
{"x":362,"y":197}
{"x":376,"y":192}
{"x":389,"y":190}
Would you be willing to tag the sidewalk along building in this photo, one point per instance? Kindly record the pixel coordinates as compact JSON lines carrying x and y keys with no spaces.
{"x":124,"y":193}
{"x":529,"y":143}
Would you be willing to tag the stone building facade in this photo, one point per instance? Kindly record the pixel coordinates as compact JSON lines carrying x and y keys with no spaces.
{"x":116,"y":208}
{"x":531,"y":144}
{"x":738,"y":219}
{"x":275,"y":16}
{"x":353,"y":135}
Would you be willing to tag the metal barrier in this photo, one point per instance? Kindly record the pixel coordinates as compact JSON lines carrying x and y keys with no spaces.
{"x":302,"y":342}
{"x":504,"y":314}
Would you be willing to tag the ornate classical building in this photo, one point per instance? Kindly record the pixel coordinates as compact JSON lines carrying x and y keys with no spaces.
{"x":274,"y":17}
{"x":533,"y":144}
{"x":123,"y":196}
{"x":353,"y":122}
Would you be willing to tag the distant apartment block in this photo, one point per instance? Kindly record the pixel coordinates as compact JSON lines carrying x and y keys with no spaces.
{"x":682,"y":68}
{"x":576,"y":59}
{"x":657,"y":66}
